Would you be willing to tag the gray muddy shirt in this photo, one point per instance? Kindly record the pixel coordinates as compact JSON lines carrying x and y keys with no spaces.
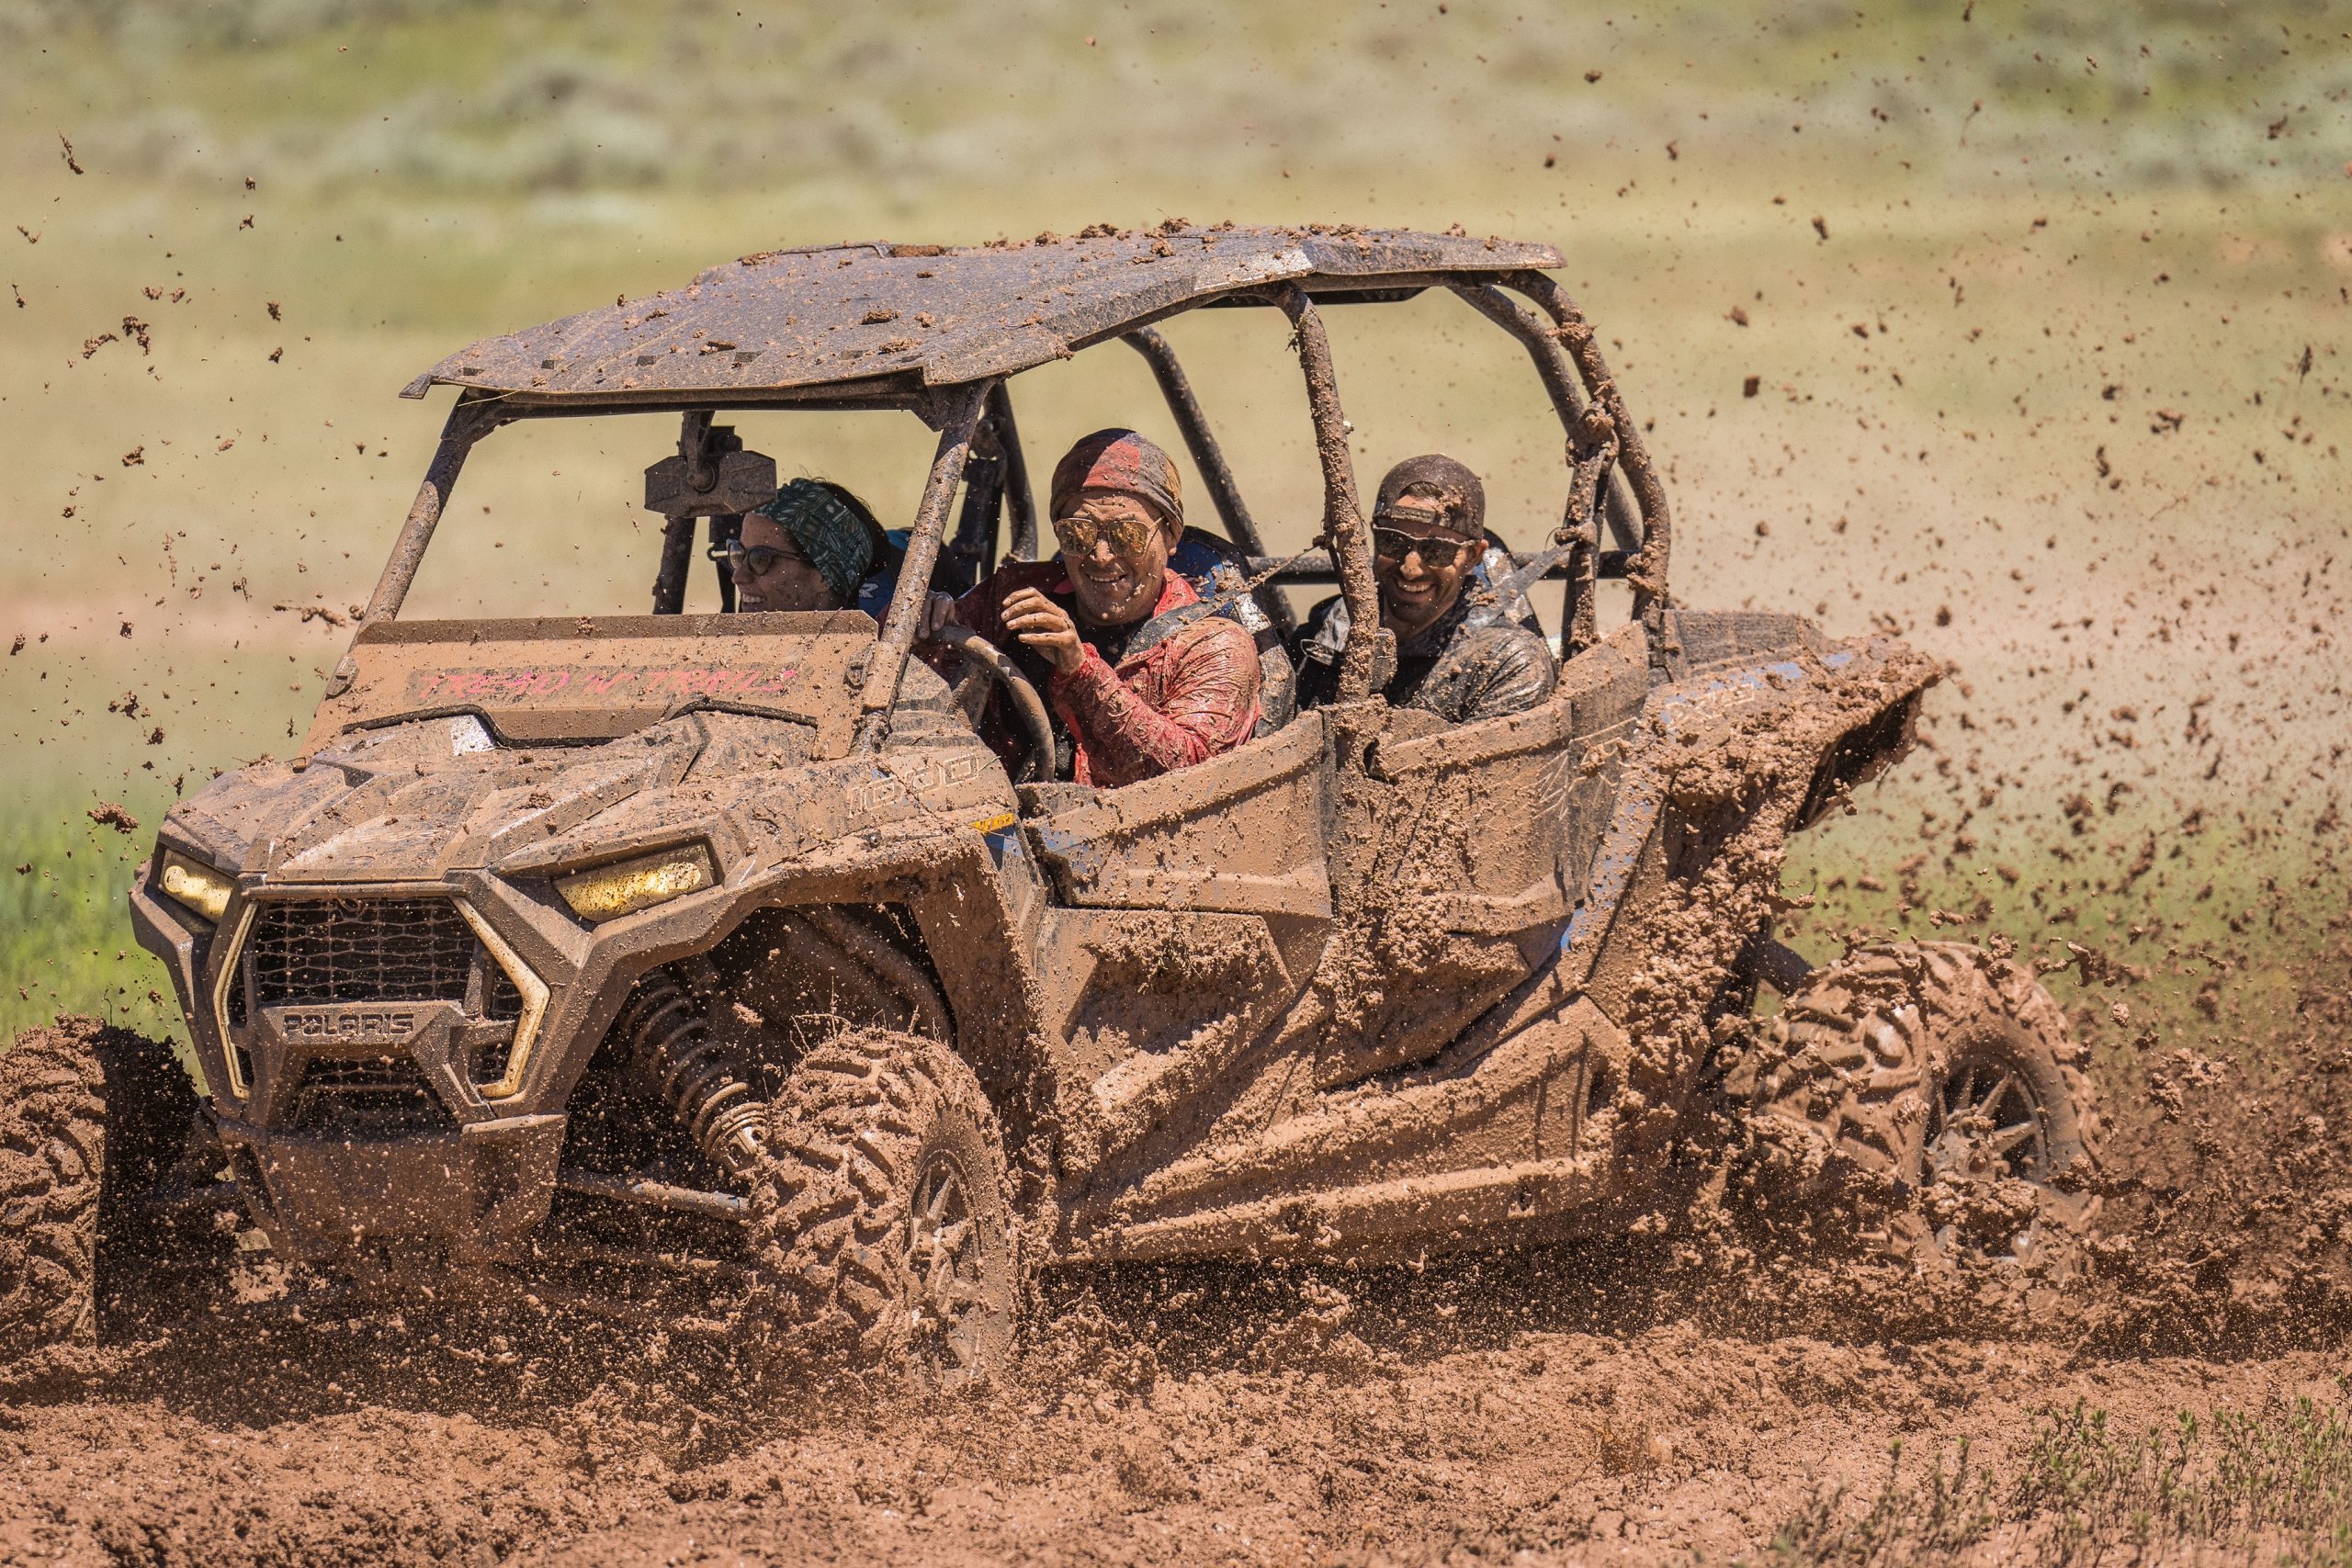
{"x":1476,"y":661}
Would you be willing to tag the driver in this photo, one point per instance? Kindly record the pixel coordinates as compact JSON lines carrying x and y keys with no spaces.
{"x":1136,"y":687}
{"x":1460,"y":653}
{"x":808,"y":549}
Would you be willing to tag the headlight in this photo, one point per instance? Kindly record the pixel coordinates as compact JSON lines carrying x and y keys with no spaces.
{"x":624,"y":887}
{"x":199,"y":887}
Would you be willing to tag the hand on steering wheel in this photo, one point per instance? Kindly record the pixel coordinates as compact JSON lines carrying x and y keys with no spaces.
{"x":1036,"y":764}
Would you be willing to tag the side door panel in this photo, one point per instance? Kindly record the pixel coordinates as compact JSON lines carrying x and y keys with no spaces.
{"x":1459,"y":857}
{"x":1191,"y":910}
{"x":1485,"y":837}
{"x":1238,"y":834}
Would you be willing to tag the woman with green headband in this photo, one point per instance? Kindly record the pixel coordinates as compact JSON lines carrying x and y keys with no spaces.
{"x":807,"y":549}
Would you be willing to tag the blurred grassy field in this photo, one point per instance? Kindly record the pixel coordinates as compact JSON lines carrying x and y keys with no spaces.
{"x":2047,"y":311}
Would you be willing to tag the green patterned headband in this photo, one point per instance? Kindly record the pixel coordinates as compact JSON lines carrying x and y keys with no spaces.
{"x":828,"y":533}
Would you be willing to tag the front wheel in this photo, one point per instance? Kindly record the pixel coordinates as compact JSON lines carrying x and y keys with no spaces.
{"x":885,"y":1238}
{"x":95,"y":1121}
{"x":52,"y":1159}
{"x":1933,"y":1091}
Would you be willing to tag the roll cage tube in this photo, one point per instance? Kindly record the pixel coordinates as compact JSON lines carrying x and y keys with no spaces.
{"x":1647,"y":571}
{"x":471,"y":417}
{"x":959,"y":414}
{"x":1344,"y":529}
{"x":1216,"y":475}
{"x":1020,"y":503}
{"x":1592,"y":451}
{"x":1559,"y":376}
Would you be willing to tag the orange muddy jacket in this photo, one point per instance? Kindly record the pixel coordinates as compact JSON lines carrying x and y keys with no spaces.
{"x":1173,"y":697}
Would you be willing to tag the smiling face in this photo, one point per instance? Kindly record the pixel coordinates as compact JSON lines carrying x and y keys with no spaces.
{"x":1419,"y":563}
{"x":1115,"y":549}
{"x":791,"y":581}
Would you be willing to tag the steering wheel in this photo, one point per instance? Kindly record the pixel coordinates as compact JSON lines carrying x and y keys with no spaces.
{"x":1037,"y":762}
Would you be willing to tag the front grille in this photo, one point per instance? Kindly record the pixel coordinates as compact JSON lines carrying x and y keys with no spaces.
{"x":321,"y":952}
{"x":354,"y":950}
{"x":386,"y":1095}
{"x":505,"y":1000}
{"x":490,"y":1060}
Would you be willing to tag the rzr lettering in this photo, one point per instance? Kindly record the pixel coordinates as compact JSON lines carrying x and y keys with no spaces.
{"x":720,"y":682}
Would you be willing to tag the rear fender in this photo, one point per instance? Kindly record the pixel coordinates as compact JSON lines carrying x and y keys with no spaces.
{"x":1860,"y":755}
{"x":1715,"y":756}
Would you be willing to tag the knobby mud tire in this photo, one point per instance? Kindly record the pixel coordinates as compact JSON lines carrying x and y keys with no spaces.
{"x":884,"y":1213}
{"x":1930,"y":1096}
{"x":91,"y":1120}
{"x":52,"y":1153}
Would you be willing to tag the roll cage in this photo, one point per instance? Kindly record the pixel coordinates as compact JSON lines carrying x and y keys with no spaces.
{"x":1614,"y":486}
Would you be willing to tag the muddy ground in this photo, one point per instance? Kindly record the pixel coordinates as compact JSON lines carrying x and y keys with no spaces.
{"x":1654,"y":1399}
{"x":1634,"y":1443}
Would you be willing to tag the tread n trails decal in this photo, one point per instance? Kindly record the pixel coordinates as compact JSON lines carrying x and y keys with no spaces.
{"x":618,"y":681}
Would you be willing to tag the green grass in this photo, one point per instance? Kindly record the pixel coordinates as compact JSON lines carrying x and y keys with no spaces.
{"x":541,"y":97}
{"x":64,"y":936}
{"x":63,"y":921}
{"x":2271,"y":1485}
{"x":1929,"y":1517}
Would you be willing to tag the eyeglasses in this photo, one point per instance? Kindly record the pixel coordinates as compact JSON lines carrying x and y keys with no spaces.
{"x":1395,"y":543}
{"x":1125,"y":536}
{"x":754,"y":560}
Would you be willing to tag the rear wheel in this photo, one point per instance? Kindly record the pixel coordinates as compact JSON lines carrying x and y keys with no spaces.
{"x":886,"y":1238}
{"x":1933,"y":1091}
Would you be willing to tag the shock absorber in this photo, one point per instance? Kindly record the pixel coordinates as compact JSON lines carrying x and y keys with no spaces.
{"x":676,"y":1058}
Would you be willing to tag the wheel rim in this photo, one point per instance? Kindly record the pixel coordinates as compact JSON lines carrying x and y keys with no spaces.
{"x":949,"y":1265}
{"x":1986,"y":1130}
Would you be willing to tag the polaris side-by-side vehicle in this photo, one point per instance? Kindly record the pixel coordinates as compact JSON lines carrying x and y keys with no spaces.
{"x":714,"y":965}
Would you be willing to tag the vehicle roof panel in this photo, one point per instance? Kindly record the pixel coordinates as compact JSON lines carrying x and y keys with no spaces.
{"x":807,"y":319}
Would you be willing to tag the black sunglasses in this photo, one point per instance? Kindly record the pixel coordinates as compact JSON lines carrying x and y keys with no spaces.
{"x":1395,"y":543}
{"x":755,"y":561}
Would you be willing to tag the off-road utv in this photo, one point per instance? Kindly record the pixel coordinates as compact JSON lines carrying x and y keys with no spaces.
{"x":712,"y":964}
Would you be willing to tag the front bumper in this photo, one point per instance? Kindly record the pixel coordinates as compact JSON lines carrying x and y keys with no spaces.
{"x":349,"y":1124}
{"x":477,"y":1190}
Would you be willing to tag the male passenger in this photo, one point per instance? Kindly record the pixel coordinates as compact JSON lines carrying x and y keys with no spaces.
{"x":808,"y":549}
{"x":1135,"y":687}
{"x":1460,"y":654}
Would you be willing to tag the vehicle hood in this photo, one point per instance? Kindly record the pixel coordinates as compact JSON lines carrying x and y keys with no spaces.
{"x":425,"y":800}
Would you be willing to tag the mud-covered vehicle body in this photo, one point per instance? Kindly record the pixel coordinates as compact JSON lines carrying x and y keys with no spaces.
{"x":716,"y":957}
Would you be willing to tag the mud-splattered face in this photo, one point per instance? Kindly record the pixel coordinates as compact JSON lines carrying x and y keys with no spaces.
{"x":772,"y":573}
{"x":1116,"y":550}
{"x":1419,"y":563}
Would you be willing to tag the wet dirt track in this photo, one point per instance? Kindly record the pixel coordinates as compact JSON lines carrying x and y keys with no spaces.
{"x":1639,"y":1400}
{"x":1635,"y":1401}
{"x":1635,"y":1446}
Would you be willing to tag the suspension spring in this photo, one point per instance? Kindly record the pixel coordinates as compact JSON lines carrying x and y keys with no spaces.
{"x":676,"y":1058}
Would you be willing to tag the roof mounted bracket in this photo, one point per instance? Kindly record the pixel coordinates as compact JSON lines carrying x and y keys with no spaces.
{"x":712,"y":475}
